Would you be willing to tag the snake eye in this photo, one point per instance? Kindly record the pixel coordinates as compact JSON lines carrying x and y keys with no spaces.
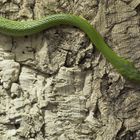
{"x":26,"y":36}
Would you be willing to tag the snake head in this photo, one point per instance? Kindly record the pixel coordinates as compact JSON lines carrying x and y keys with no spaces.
{"x":129,"y":71}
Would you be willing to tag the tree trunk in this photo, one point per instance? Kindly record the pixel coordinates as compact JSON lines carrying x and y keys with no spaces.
{"x":55,"y":85}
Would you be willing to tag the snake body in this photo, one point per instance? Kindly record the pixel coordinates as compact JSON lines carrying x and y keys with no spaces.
{"x":17,"y":28}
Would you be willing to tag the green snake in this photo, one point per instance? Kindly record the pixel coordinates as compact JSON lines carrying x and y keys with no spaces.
{"x":17,"y":28}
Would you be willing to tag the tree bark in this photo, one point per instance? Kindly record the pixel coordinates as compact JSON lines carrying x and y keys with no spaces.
{"x":55,"y":85}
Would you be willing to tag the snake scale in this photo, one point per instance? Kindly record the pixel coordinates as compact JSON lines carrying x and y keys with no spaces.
{"x":17,"y":28}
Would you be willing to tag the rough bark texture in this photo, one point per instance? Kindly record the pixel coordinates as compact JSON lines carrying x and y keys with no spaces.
{"x":56,"y":86}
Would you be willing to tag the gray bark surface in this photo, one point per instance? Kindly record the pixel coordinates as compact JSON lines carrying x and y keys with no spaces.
{"x":55,"y":85}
